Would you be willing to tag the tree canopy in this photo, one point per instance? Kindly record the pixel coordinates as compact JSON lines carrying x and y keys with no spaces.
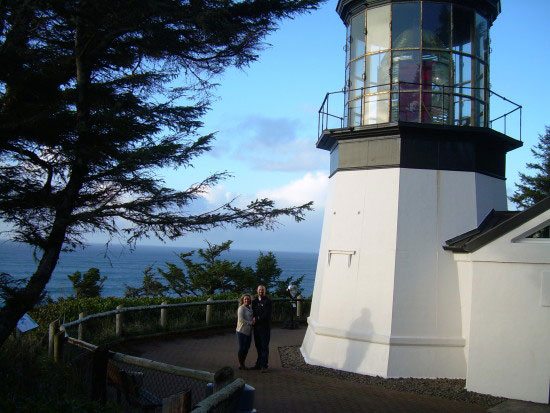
{"x":206,"y":272}
{"x":534,"y":188}
{"x":88,"y":285}
{"x":95,"y":97}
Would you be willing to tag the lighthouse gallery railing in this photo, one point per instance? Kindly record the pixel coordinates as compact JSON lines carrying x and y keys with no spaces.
{"x":336,"y":112}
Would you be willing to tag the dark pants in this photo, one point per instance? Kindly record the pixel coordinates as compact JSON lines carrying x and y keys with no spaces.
{"x":244,"y":344}
{"x":262,"y":334}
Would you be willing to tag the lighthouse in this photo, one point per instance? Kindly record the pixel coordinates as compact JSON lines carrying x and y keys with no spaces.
{"x":414,"y":161}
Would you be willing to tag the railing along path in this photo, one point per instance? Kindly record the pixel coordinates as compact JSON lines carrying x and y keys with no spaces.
{"x":142,"y":384}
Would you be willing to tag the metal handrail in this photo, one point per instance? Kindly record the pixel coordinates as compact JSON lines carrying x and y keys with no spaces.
{"x":394,"y":90}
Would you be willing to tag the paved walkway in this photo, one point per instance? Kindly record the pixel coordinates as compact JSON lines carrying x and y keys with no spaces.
{"x":287,"y":390}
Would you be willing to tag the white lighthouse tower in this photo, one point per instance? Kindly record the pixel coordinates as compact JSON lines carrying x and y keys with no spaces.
{"x":413,"y":163}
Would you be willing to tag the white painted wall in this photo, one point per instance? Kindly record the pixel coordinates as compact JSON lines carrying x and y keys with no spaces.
{"x":388,"y":302}
{"x":350,"y":321}
{"x":434,"y":206}
{"x":509,"y":334}
{"x":491,"y":194}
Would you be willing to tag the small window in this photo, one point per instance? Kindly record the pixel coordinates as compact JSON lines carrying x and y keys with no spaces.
{"x":543,"y":233}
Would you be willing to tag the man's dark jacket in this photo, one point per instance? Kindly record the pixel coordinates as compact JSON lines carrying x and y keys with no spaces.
{"x":262,"y":312}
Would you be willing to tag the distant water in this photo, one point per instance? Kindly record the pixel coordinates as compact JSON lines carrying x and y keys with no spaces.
{"x":124,"y":267}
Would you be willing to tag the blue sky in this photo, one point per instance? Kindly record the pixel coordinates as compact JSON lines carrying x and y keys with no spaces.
{"x":271,"y":108}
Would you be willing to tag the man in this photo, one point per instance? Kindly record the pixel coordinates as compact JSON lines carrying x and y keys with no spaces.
{"x":261,"y":308}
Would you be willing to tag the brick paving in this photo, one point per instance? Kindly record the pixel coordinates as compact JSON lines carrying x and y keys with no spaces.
{"x":288,"y":390}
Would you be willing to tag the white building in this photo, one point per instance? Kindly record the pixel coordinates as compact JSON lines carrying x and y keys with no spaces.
{"x":504,"y":274}
{"x":414,"y":163}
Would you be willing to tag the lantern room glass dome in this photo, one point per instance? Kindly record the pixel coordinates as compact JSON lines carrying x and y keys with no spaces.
{"x":422,"y":61}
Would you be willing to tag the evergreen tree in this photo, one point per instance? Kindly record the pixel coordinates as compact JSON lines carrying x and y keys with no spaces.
{"x":267,"y":270}
{"x":88,"y":285}
{"x":533,"y":189}
{"x":95,"y":97}
{"x":269,"y":273}
{"x":150,"y":286}
{"x":207,"y":275}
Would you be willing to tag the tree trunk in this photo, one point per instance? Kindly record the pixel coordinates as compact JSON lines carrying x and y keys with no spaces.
{"x":31,"y":294}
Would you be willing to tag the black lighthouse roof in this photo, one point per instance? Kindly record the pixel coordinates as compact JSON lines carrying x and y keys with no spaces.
{"x":488,"y":8}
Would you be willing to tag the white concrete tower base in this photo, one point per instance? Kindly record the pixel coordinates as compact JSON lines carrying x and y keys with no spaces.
{"x":387,"y":297}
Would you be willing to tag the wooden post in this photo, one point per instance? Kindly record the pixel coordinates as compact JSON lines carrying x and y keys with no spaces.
{"x":119,"y":321}
{"x":209,"y":312}
{"x":58,"y":341}
{"x":54,"y":326}
{"x":81,"y":326}
{"x":222,"y":378}
{"x":299,"y":306}
{"x":177,"y":403}
{"x":163,"y":316}
{"x":100,"y":359}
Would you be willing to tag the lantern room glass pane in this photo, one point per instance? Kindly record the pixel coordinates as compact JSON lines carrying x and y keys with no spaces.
{"x":377,"y":109}
{"x":479,"y":93}
{"x":377,"y":72}
{"x":479,"y":110}
{"x":405,"y":25}
{"x":357,"y":36}
{"x":348,"y":45}
{"x":463,"y":110}
{"x":378,"y":29}
{"x":406,"y":69}
{"x":435,"y":107}
{"x":436,"y":25}
{"x":463,"y":73}
{"x":436,"y":68}
{"x":463,"y":23}
{"x":482,"y":36}
{"x":354,"y":112}
{"x":409,"y":106}
{"x":479,"y":78}
{"x":357,"y":70}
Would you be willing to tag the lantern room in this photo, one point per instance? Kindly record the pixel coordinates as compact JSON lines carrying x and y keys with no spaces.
{"x":417,"y":61}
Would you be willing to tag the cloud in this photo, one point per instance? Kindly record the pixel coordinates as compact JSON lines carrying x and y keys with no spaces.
{"x":218,"y":195}
{"x":311,"y":187}
{"x":275,"y":144}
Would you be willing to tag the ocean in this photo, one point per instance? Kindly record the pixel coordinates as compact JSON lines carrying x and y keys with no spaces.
{"x":123,"y":267}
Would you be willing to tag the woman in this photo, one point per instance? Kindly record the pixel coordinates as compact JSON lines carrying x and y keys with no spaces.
{"x":245,"y":321}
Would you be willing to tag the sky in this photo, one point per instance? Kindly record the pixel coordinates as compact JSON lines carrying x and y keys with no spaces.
{"x":265,"y":117}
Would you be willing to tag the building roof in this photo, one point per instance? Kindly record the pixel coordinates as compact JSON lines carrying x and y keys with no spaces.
{"x":495,"y":224}
{"x":489,"y":8}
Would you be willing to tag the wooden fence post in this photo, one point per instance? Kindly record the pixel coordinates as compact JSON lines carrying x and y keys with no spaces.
{"x":299,"y":306}
{"x":222,"y":378}
{"x":163,"y":316}
{"x":100,"y":359}
{"x":177,"y":403}
{"x":118,"y":322}
{"x":209,"y":312}
{"x":58,"y":341}
{"x":81,"y":326}
{"x":54,"y":326}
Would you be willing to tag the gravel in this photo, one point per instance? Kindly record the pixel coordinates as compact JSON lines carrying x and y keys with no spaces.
{"x":451,"y":389}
